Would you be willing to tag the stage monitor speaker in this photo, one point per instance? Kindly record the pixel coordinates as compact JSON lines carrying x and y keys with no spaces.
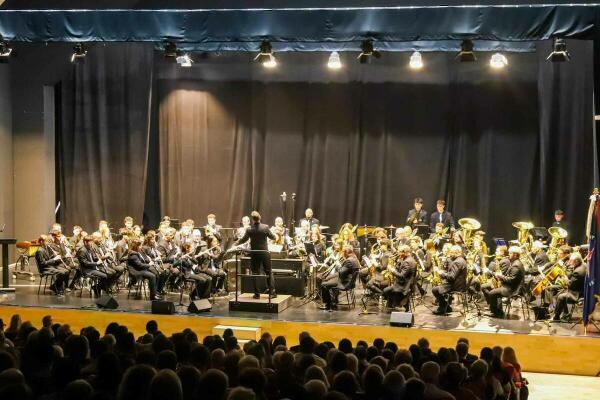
{"x":198,"y":306}
{"x":403,"y":319}
{"x":108,"y":302}
{"x":163,"y":307}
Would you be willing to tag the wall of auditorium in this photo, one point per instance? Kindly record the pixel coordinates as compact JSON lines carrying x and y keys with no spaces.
{"x":6,"y":156}
{"x":34,"y":73}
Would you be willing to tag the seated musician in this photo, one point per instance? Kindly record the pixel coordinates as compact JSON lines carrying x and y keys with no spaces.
{"x":541,"y":262}
{"x":510,"y":281}
{"x":197,"y":243}
{"x":169,"y":252}
{"x":455,"y":277}
{"x":476,"y":264}
{"x":50,"y":262}
{"x":104,"y":256}
{"x":184,"y":234}
{"x":309,"y":218}
{"x":212,"y":228}
{"x":428,"y":258}
{"x":91,"y":265}
{"x":440,"y":235}
{"x":572,"y":288}
{"x":562,"y":259}
{"x":137,"y":232}
{"x":404,"y":273}
{"x":441,"y":216}
{"x":500,"y":263}
{"x":318,"y":241}
{"x":209,"y":265}
{"x":187,"y":265}
{"x":128,"y":223}
{"x":417,"y":216}
{"x":151,"y":252}
{"x":402,"y":236}
{"x":347,"y":236}
{"x":140,"y":267}
{"x":76,"y":241}
{"x":344,"y":278}
{"x":61,"y":244}
{"x":278,"y":230}
{"x":163,"y":228}
{"x":375,"y":281}
{"x":241,"y":231}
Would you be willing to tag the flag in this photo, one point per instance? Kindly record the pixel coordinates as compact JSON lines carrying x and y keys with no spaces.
{"x":591,"y":289}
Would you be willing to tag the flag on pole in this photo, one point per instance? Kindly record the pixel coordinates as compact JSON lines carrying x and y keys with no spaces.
{"x":591,"y":289}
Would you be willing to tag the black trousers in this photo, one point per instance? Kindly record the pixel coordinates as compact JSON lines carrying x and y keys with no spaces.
{"x":330,"y":291}
{"x":440,"y":293}
{"x":494,"y":298}
{"x":147,"y":275}
{"x":258,"y":260}
{"x":564,"y":298}
{"x":102,"y":280}
{"x":202,"y":286}
{"x":395,"y":297}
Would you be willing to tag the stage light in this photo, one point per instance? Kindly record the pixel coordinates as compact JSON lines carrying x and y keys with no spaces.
{"x":367,"y":52}
{"x":266,"y":57}
{"x":559,"y":51}
{"x":416,"y":60}
{"x":466,"y":53}
{"x":184,"y":60}
{"x":334,"y":61}
{"x":5,"y":52}
{"x":498,"y":61}
{"x":79,"y":53}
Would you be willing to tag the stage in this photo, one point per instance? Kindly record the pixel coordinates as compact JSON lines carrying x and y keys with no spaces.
{"x":539,"y":344}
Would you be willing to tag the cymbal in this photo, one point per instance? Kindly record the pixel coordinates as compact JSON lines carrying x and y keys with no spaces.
{"x":389,"y":227}
{"x":323,"y":227}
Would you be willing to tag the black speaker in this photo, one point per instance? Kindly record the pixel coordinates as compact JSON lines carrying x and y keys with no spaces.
{"x":108,"y":302}
{"x":163,"y":307}
{"x":404,"y":319}
{"x":198,"y":306}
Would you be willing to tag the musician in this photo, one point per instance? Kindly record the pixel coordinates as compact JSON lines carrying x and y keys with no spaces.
{"x":91,"y":265}
{"x":572,"y":289}
{"x":258,"y":234}
{"x":562,"y":259}
{"x":279,"y":231}
{"x":372,"y":278}
{"x":308,"y":217}
{"x":404,"y":276}
{"x":187,"y":265}
{"x":510,"y":281}
{"x":49,"y":261}
{"x":169,"y":253}
{"x":103,"y":254}
{"x":245,"y":225}
{"x":541,"y":262}
{"x":501,"y":263}
{"x":137,"y":232}
{"x":318,"y":241}
{"x":128,"y":223}
{"x":184,"y":234}
{"x":140,"y":267}
{"x":209,"y":264}
{"x":343,"y":278}
{"x":476,"y":265}
{"x":441,"y":216}
{"x":402,"y":236}
{"x":455,"y":278}
{"x":417,"y":215}
{"x":559,"y":220}
{"x":347,"y":236}
{"x":163,"y":228}
{"x":211,"y":228}
{"x":439,"y":235}
{"x":428,"y":258}
{"x":151,"y":253}
{"x":76,"y":241}
{"x":197,"y":243}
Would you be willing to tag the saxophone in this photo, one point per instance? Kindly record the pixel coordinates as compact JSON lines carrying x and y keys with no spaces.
{"x":434,"y":278}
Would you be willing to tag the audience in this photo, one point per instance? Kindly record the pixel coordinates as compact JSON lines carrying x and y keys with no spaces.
{"x":54,"y":363}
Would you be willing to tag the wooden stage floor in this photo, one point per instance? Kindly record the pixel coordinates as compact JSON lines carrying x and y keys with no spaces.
{"x":541,"y":347}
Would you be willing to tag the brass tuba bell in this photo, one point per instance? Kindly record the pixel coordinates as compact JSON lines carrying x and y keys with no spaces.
{"x":523,"y":229}
{"x":468,"y":225}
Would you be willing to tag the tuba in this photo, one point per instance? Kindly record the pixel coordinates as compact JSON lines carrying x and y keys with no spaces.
{"x":558,"y":235}
{"x":468,"y":226}
{"x":523,"y":236}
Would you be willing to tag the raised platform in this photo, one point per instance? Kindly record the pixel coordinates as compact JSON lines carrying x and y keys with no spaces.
{"x":541,"y":347}
{"x":245,"y":302}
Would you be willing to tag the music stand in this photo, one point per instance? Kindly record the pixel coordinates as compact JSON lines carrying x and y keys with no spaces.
{"x":540,"y":233}
{"x":422,"y":230}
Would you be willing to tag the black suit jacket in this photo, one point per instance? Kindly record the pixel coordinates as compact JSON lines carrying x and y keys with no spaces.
{"x":348,"y":269}
{"x":44,"y":260}
{"x":405,"y":275}
{"x":513,"y":277}
{"x":87,"y":259}
{"x":421,"y":218}
{"x":541,"y":260}
{"x":168,"y":250}
{"x":456,"y":276}
{"x":447,"y":220}
{"x":577,"y":279}
{"x":137,"y":261}
{"x":258,"y":234}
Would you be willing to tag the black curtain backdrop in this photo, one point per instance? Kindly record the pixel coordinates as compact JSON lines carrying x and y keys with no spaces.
{"x":227,"y":137}
{"x":103,"y":142}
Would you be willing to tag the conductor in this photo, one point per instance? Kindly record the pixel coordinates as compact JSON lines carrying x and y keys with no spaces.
{"x":258,"y":234}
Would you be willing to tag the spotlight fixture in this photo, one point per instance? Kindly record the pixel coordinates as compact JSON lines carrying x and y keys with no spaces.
{"x":466,"y":53}
{"x":367,"y":52}
{"x":498,"y":61}
{"x":5,"y":51}
{"x":184,"y":60}
{"x":79,"y":53}
{"x":416,"y":61}
{"x":559,"y":51}
{"x":334,"y":61}
{"x":266,"y":57}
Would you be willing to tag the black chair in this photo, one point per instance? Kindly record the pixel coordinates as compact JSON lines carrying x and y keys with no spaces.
{"x":137,"y":283}
{"x":523,"y":302}
{"x":91,"y":282}
{"x":188,"y":284}
{"x":45,"y":275}
{"x":349,"y":291}
{"x":463,"y":301}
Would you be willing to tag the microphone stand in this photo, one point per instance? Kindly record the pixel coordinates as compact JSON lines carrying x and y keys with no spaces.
{"x":283,"y":197}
